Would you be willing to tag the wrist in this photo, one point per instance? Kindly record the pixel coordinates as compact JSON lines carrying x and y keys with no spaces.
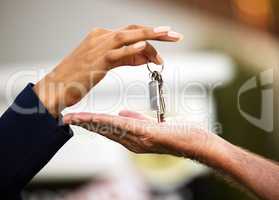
{"x":46,"y":90}
{"x":217,"y":154}
{"x":192,"y":144}
{"x":197,"y":144}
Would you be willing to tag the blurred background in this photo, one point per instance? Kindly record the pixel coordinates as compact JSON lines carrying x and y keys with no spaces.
{"x":226,"y":43}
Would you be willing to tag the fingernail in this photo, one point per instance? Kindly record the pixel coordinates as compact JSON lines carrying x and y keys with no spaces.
{"x":162,"y":29}
{"x":175,"y":35}
{"x":139,"y":45}
{"x":160,"y":59}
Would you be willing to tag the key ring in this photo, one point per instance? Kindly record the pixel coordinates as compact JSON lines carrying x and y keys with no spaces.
{"x":154,"y":70}
{"x":155,"y":75}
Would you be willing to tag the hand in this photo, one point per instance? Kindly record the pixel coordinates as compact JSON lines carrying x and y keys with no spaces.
{"x":101,"y":51}
{"x":141,"y":134}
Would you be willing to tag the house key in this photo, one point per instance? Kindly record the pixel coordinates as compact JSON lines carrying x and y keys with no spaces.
{"x":157,"y":102}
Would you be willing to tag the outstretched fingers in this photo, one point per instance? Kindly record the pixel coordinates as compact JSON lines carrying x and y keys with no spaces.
{"x":135,"y":115}
{"x":112,"y":127}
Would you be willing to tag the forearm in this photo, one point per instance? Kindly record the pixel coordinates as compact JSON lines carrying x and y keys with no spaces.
{"x":29,"y":138}
{"x":259,"y":175}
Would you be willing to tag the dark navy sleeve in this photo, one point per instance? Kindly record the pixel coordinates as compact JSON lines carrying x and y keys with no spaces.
{"x":29,"y":138}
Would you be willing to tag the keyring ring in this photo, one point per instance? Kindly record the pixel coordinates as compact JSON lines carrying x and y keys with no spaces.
{"x":154,"y":70}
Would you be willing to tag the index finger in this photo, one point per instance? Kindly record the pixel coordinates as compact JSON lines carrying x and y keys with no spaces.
{"x":126,"y":37}
{"x":103,"y":119}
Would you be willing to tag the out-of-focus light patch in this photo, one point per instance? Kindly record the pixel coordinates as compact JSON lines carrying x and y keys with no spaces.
{"x":185,"y":74}
{"x":167,"y":172}
{"x":254,"y":12}
{"x":188,"y":81}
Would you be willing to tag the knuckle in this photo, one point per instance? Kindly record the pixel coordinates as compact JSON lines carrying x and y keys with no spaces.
{"x":119,"y":37}
{"x":96,"y":31}
{"x":109,"y":57}
{"x":133,"y":26}
{"x":146,"y":32}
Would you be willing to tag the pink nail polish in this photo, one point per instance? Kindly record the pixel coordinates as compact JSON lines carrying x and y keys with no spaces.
{"x":162,"y":29}
{"x":175,"y":35}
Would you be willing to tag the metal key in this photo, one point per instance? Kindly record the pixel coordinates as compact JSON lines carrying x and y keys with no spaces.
{"x":157,"y":102}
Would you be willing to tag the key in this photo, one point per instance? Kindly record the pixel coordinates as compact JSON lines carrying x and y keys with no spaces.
{"x":157,"y":102}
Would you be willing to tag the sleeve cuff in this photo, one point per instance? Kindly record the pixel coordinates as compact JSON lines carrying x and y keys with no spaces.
{"x":27,"y":103}
{"x":33,"y":139}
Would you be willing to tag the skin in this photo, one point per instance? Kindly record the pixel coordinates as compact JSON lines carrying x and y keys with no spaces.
{"x":143,"y":135}
{"x":101,"y":51}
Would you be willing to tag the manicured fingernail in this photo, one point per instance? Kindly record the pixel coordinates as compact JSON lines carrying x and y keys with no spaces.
{"x":139,"y":45}
{"x":160,"y":59}
{"x":175,"y":35}
{"x":162,"y":29}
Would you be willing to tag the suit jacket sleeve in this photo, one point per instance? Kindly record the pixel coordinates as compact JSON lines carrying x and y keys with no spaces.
{"x":29,"y":138}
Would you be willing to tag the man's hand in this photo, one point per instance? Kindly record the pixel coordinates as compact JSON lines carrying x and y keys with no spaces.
{"x":101,"y":51}
{"x":142,"y":135}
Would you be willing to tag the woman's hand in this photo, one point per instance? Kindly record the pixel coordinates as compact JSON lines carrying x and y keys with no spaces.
{"x":144,"y":135}
{"x":101,"y":51}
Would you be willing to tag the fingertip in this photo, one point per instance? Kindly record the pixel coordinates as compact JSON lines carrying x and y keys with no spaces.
{"x":159,"y":59}
{"x":161,"y":29}
{"x":175,"y":36}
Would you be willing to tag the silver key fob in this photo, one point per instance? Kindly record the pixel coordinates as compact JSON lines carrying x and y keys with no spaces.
{"x":154,"y":95}
{"x":156,"y":98}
